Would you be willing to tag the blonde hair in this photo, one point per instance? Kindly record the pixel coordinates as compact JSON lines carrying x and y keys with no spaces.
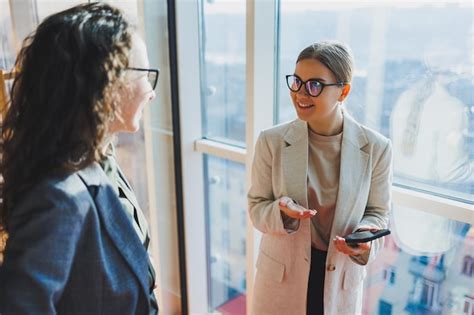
{"x":336,"y":56}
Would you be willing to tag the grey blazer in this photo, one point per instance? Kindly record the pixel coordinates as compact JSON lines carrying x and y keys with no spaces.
{"x":280,"y":169}
{"x":72,"y":250}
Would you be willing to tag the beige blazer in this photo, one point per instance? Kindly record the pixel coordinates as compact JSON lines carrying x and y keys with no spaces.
{"x":280,"y":169}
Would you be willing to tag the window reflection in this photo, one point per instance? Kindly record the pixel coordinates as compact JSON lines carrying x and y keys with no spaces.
{"x":226,"y":232}
{"x":413,"y":282}
{"x":223,"y":70}
{"x":412,"y":81}
{"x":468,"y":266}
{"x":45,"y":8}
{"x":7,"y":41}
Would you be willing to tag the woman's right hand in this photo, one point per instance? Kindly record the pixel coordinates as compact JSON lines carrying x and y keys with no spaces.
{"x":294,"y":210}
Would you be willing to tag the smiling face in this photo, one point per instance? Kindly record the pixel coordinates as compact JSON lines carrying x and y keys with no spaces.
{"x":137,"y":94}
{"x":325,"y":107}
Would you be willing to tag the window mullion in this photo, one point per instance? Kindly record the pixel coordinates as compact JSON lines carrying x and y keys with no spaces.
{"x":260,"y":74}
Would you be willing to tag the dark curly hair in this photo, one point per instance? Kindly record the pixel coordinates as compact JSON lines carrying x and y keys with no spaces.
{"x":62,"y":97}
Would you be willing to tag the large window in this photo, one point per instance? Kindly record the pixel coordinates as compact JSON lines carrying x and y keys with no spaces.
{"x":222,"y":66}
{"x":412,"y":82}
{"x":223,"y":70}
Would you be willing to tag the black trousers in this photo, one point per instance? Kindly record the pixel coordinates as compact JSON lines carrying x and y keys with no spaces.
{"x":315,"y":295}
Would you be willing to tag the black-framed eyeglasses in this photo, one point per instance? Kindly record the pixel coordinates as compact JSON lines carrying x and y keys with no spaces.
{"x":152,"y":75}
{"x":313,"y":87}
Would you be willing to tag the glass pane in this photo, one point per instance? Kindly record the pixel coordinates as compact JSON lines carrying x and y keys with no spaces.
{"x":129,"y":7}
{"x":7,"y":42}
{"x":156,"y":171}
{"x":427,"y":272}
{"x":223,"y":70}
{"x":47,"y":7}
{"x":7,"y":58}
{"x":413,"y":81}
{"x":226,"y":216}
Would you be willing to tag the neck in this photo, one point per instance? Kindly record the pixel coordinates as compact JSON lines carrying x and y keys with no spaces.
{"x":329,"y":125}
{"x":107,"y":141}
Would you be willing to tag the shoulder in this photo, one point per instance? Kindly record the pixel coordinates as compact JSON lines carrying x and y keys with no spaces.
{"x":280,"y":129}
{"x":378,"y":146}
{"x":278,"y":132}
{"x":64,"y":195}
{"x":67,"y":187}
{"x":375,"y":138}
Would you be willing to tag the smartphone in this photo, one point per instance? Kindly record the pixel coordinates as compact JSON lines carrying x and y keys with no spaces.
{"x":365,"y":236}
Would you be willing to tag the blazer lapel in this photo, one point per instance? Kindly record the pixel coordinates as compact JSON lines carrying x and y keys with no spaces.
{"x":117,"y":224}
{"x":354,"y":162}
{"x":142,"y":222}
{"x":295,"y":162}
{"x":128,"y":192}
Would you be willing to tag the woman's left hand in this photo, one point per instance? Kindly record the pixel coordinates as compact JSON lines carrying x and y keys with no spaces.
{"x":360,"y":249}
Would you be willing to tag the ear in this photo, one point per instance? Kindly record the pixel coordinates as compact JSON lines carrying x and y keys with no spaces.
{"x":345,"y":91}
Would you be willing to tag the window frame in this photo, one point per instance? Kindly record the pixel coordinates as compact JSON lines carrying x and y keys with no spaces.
{"x":187,"y":25}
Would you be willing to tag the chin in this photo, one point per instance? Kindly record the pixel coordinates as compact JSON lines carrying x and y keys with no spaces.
{"x":131,"y":128}
{"x":134,"y":125}
{"x":299,"y":115}
{"x":135,"y":128}
{"x":302,"y":116}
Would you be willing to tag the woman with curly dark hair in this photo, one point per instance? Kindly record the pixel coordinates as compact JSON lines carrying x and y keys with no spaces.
{"x":77,"y":239}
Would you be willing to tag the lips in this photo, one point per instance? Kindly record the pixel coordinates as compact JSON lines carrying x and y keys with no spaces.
{"x":303,"y":105}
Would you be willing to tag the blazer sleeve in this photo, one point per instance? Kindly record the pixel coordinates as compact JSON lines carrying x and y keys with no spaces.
{"x":378,"y":204}
{"x":44,"y":232}
{"x":264,"y":210}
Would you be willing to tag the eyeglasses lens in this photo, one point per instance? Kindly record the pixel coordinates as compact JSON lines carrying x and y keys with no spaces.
{"x":314,"y":87}
{"x":152,"y":78}
{"x":293,"y":83}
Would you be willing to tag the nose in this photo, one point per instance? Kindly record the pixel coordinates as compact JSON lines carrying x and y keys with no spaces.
{"x":303,"y":94}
